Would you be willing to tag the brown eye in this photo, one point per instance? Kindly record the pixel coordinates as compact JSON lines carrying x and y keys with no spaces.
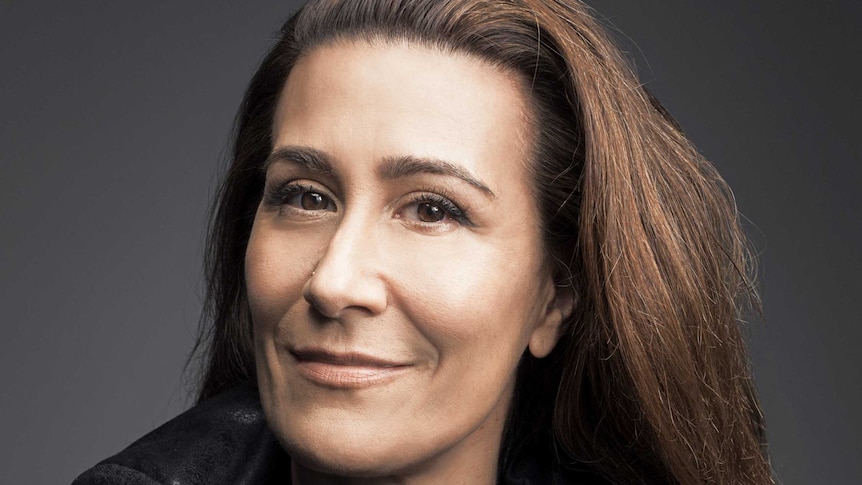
{"x":432,"y":212}
{"x":313,"y":201}
{"x":428,"y":212}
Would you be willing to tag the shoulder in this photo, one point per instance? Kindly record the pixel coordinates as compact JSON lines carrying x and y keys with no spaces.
{"x":224,"y":439}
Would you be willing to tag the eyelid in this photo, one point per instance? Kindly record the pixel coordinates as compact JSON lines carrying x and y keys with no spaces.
{"x":275,"y":194}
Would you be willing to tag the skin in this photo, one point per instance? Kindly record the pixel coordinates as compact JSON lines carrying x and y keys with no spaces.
{"x":358,"y":259}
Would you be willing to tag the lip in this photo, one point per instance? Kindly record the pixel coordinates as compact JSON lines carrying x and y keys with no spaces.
{"x":346,"y":370}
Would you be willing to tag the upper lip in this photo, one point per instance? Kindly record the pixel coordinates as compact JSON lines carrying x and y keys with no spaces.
{"x":343,"y":358}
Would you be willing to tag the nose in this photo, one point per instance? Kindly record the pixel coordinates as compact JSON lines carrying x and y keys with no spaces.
{"x":348,"y":275}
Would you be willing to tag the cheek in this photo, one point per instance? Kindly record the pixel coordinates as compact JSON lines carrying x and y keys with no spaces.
{"x":274,"y":272}
{"x":476,"y":308}
{"x":471,"y":298}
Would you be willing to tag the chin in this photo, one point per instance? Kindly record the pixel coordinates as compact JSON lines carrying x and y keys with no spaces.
{"x":345,"y":449}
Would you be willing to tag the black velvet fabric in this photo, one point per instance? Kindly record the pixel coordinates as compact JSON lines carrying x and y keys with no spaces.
{"x":225,"y":440}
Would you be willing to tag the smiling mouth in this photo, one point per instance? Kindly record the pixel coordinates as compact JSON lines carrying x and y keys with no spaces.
{"x":346,"y":370}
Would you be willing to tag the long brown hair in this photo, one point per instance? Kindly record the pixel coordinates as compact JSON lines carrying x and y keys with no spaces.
{"x":650,"y":380}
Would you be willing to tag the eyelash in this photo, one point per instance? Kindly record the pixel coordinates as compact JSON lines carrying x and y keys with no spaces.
{"x":455,"y":212}
{"x":278,"y":194}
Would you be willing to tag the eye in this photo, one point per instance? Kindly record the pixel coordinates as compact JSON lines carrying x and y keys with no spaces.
{"x":430,"y":212}
{"x":298,"y":197}
{"x":432,"y":209}
{"x":310,"y":201}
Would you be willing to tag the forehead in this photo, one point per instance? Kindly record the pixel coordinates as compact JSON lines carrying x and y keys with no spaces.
{"x":362,"y":102}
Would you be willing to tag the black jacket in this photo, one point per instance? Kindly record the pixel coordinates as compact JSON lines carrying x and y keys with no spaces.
{"x":225,"y":440}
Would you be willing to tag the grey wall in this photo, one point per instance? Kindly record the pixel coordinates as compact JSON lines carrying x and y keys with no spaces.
{"x":113,"y":120}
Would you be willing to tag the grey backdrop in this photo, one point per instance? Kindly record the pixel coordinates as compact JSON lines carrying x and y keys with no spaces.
{"x":113,"y":121}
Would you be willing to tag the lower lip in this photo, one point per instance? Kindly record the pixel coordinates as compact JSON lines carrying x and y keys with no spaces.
{"x":348,"y":376}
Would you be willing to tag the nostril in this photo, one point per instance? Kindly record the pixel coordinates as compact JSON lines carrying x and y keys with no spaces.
{"x":317,"y":315}
{"x":317,"y":306}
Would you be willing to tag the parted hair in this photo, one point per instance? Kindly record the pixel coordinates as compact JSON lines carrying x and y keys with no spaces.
{"x":650,"y":380}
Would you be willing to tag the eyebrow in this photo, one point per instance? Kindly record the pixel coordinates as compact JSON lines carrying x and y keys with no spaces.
{"x":306,"y":157}
{"x":392,"y":168}
{"x":404,"y":166}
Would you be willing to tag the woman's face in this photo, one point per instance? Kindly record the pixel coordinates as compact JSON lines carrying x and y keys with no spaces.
{"x":395,"y":270}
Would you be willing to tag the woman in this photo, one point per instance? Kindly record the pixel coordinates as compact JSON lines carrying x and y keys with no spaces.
{"x":460,"y":243}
